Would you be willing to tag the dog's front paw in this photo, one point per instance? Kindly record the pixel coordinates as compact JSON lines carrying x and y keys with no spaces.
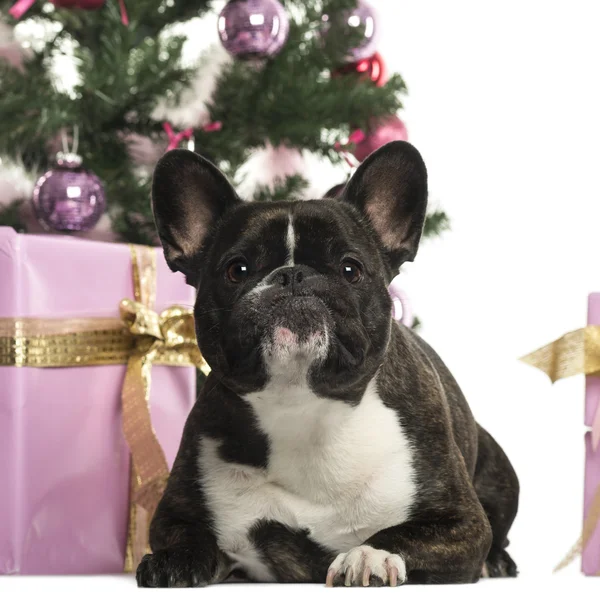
{"x":366,"y":566}
{"x":171,"y":568}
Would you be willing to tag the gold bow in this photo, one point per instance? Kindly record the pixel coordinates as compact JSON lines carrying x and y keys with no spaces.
{"x":140,"y":338}
{"x":168,"y":337}
{"x":575,"y":353}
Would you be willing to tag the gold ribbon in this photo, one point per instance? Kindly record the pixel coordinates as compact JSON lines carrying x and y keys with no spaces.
{"x":575,"y":353}
{"x":141,"y":338}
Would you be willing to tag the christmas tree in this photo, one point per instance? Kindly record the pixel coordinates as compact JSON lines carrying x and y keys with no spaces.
{"x":293,"y":78}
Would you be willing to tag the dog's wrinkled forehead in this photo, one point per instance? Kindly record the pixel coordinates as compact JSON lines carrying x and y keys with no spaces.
{"x":302,"y":232}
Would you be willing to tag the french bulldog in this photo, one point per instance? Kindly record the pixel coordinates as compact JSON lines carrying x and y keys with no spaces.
{"x":329,"y":444}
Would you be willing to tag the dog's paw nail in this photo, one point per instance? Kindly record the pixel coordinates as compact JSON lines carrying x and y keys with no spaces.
{"x":393,"y":577}
{"x":366,"y":566}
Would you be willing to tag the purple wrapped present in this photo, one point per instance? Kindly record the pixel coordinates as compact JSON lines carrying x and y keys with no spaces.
{"x":591,"y":548}
{"x":578,"y":352}
{"x":68,"y":425}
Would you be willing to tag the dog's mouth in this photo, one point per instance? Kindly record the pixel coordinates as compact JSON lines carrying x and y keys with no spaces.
{"x":299,"y":325}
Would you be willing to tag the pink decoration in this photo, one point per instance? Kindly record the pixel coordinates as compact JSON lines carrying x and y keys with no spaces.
{"x":216,"y":126}
{"x":176,"y":138}
{"x":596,"y":431}
{"x":65,"y":463}
{"x":355,"y":137}
{"x":401,"y":310}
{"x":361,"y":20}
{"x":592,"y":382}
{"x":253,"y":28}
{"x":381,"y":132}
{"x":591,"y":553}
{"x":590,"y":556}
{"x":20,"y":7}
{"x":124,"y":16}
{"x":372,"y":68}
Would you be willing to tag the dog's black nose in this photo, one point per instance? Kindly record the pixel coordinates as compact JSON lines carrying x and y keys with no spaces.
{"x":291,"y":278}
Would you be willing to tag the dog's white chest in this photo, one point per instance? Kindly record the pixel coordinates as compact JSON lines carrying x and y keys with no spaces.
{"x":342,"y":473}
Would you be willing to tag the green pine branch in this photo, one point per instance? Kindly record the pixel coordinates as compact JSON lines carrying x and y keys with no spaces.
{"x":291,"y":99}
{"x":436,"y":223}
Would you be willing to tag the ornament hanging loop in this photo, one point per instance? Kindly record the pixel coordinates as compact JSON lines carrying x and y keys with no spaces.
{"x":68,"y":156}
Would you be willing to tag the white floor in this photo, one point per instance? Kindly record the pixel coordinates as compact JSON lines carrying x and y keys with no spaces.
{"x":123,"y":586}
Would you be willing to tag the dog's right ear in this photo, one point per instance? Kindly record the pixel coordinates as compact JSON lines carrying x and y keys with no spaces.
{"x":189,"y":196}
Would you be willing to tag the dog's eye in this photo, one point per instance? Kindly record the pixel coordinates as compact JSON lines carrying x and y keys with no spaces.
{"x":351,"y":272}
{"x":237,"y":271}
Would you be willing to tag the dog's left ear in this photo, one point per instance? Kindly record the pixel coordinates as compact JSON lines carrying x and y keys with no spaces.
{"x":390,"y":189}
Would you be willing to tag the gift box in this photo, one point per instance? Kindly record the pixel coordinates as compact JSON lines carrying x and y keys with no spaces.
{"x":95,"y":387}
{"x":578,"y":352}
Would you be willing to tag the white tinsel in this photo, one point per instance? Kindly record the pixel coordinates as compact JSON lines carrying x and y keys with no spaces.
{"x":15,"y":182}
{"x":191,"y":109}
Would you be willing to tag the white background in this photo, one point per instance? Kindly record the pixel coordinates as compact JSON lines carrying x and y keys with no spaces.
{"x":504,"y":105}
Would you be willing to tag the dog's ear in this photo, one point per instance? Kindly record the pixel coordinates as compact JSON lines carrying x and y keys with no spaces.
{"x":189,"y":196}
{"x":390,"y":189}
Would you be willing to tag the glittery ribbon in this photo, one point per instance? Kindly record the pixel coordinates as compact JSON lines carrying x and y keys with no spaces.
{"x":575,"y":353}
{"x":175,"y":138}
{"x":140,"y":338}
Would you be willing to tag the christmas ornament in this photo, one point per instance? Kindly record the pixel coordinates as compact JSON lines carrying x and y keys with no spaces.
{"x":360,"y":19}
{"x":68,"y":197}
{"x":372,"y":68}
{"x":380,"y":132}
{"x":253,"y":28}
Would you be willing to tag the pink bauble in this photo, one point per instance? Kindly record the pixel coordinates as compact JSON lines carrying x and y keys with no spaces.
{"x":253,"y":28}
{"x":360,"y":19}
{"x":380,"y":132}
{"x":372,"y":68}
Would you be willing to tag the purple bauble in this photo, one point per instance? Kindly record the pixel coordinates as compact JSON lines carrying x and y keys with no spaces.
{"x":361,"y":18}
{"x":381,"y":132}
{"x":253,"y":28}
{"x":68,"y":197}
